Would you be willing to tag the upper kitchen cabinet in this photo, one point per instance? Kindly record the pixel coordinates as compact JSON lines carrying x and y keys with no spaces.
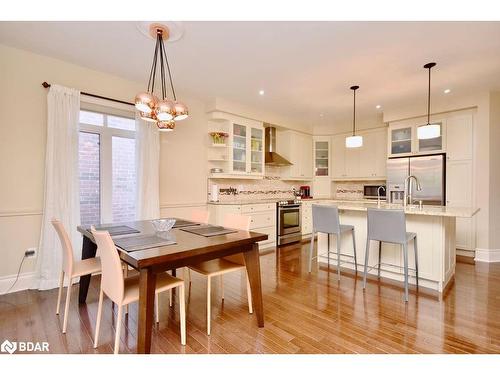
{"x":364,"y":163}
{"x":298,"y":149}
{"x":459,"y":137}
{"x":239,"y":152}
{"x":322,"y":167}
{"x":403,"y":140}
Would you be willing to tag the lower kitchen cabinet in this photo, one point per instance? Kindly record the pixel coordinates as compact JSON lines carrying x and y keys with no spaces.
{"x":263,"y":218}
{"x":306,"y":219}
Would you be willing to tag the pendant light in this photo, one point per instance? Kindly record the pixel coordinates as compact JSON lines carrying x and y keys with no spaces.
{"x":354,"y":140}
{"x":160,"y":111}
{"x":429,"y":130}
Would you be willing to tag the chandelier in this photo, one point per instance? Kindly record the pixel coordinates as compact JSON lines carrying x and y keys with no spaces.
{"x":354,"y":140}
{"x":163,"y":112}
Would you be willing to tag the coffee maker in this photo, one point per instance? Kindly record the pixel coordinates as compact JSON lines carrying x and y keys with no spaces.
{"x":305,"y":192}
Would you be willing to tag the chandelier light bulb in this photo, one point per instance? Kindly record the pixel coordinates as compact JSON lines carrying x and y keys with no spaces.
{"x":165,"y":126}
{"x":145,"y":102}
{"x":181,"y":111}
{"x":165,"y":110}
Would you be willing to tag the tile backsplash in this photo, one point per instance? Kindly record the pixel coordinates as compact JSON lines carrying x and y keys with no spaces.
{"x":352,"y":189}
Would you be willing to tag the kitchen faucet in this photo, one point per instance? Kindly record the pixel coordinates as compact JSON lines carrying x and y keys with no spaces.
{"x":408,"y":193}
{"x":378,"y":194}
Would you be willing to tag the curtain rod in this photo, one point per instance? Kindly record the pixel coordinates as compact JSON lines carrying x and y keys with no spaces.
{"x":47,"y":85}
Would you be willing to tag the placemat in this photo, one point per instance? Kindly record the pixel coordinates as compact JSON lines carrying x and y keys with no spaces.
{"x":209,"y":230}
{"x":135,"y":243}
{"x":179,"y":223}
{"x":117,"y":230}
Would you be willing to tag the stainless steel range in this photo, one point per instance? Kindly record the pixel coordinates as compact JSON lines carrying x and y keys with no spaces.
{"x":288,"y":221}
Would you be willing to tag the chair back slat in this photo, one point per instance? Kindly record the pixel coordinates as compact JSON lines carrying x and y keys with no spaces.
{"x":67,"y":248}
{"x":386,"y":225}
{"x":112,"y":274}
{"x":325,"y":219}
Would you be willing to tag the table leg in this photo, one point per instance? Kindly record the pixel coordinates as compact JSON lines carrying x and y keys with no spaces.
{"x":88,"y":251}
{"x":252,"y":263}
{"x":147,"y":283}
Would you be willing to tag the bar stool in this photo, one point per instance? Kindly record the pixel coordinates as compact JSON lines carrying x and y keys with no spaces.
{"x":326,"y":220}
{"x":385,"y":225}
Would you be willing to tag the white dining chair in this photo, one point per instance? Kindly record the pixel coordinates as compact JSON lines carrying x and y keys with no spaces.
{"x":71,"y":268}
{"x":123,"y":291}
{"x":221,"y":266}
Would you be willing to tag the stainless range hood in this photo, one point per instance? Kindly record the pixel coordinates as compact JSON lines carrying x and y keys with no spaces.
{"x":272,"y":158}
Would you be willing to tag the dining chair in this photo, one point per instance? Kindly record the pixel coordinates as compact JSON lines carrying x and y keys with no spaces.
{"x":123,"y":291}
{"x":221,"y":266}
{"x":71,"y":268}
{"x":200,"y":216}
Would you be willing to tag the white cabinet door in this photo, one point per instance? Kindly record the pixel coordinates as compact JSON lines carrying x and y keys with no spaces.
{"x":338,"y":156}
{"x":380,"y":156}
{"x":459,"y":194}
{"x":459,"y":137}
{"x":367,"y":156}
{"x":306,"y":169}
{"x":352,"y":162}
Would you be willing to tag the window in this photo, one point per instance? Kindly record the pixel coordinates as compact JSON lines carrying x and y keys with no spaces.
{"x":106,"y":168}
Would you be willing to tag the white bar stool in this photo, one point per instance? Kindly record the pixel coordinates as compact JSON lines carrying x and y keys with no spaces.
{"x":326,"y":220}
{"x":385,"y":225}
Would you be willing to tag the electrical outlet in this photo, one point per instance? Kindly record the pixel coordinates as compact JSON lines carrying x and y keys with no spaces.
{"x":31,"y":252}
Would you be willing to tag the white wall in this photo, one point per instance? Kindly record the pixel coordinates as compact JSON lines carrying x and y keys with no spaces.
{"x":23,"y":137}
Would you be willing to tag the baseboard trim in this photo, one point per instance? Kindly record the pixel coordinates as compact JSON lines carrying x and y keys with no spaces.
{"x":25,"y":281}
{"x":487,"y":255}
{"x":465,"y":259}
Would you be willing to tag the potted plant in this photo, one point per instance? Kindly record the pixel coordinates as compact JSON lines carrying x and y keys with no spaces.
{"x":219,"y":138}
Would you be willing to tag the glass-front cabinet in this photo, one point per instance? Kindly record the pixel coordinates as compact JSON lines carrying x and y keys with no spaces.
{"x":415,"y":139}
{"x":247,"y":149}
{"x":321,"y":158}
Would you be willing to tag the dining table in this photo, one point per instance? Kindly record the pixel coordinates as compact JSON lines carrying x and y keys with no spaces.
{"x":185,"y":249}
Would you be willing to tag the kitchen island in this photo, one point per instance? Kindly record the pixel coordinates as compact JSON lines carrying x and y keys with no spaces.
{"x":435,"y":228}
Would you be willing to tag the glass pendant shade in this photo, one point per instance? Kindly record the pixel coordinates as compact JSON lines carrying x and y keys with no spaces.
{"x":181,"y":111}
{"x":354,"y":141}
{"x":429,"y":131}
{"x":149,"y":117}
{"x":165,"y":110}
{"x":165,"y":126}
{"x":145,"y":102}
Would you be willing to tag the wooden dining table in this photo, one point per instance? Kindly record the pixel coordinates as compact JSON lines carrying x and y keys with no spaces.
{"x":189,"y":248}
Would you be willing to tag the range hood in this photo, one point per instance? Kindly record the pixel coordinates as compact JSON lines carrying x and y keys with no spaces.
{"x":272,"y":158}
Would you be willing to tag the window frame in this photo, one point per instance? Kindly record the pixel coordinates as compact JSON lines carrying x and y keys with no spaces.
{"x":106,"y":135}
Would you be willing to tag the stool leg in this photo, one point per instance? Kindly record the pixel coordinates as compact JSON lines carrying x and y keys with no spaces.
{"x":311,"y":249}
{"x":328,"y":248}
{"x":416,"y":257}
{"x":366,"y":261}
{"x":338,"y":256}
{"x":405,"y":256}
{"x":379,"y":256}
{"x":354,"y":249}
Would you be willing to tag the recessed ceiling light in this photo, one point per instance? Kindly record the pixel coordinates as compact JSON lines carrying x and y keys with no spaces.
{"x":261,"y":92}
{"x":320,"y":115}
{"x":447,"y":91}
{"x":378,"y":106}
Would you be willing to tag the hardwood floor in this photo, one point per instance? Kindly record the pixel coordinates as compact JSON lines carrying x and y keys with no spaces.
{"x":304,"y":313}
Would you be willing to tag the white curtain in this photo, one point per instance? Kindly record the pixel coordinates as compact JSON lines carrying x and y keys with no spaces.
{"x":147,"y":157}
{"x":61,"y":198}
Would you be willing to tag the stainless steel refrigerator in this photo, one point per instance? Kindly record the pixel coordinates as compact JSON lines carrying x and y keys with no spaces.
{"x":430,"y":171}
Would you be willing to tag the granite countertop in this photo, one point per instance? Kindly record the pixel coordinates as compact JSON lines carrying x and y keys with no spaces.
{"x":410,"y":210}
{"x":363,"y":205}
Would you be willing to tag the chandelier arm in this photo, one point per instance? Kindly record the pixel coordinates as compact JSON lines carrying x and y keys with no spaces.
{"x":169,"y":74}
{"x":155,"y":64}
{"x":162,"y":68}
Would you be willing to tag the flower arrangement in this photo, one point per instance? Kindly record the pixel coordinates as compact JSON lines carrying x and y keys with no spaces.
{"x":219,"y":138}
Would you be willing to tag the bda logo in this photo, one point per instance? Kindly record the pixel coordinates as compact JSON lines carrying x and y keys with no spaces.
{"x":8,"y":347}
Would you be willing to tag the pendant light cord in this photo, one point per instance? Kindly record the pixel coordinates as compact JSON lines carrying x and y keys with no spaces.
{"x":429,"y":99}
{"x":354,"y":115}
{"x":169,"y":75}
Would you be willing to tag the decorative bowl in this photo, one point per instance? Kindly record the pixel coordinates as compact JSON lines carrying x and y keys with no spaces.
{"x":163,"y":225}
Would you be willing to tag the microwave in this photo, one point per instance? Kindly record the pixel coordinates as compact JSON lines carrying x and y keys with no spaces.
{"x":371,"y":192}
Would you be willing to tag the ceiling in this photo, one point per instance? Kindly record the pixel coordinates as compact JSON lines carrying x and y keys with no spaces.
{"x":305,"y":68}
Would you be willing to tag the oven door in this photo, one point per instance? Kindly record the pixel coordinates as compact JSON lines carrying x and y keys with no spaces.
{"x":289,"y":220}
